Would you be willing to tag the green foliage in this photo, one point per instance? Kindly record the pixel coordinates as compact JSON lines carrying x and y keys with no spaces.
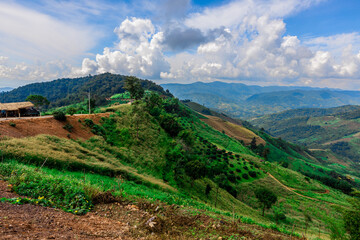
{"x":266,"y":197}
{"x":170,"y":124}
{"x":68,"y":127}
{"x":196,"y":162}
{"x":11,"y":124}
{"x":59,"y":115}
{"x":279,"y":217}
{"x":132,"y":84}
{"x":47,"y":191}
{"x":195,"y":169}
{"x":253,"y":145}
{"x":208,"y":189}
{"x":38,"y":100}
{"x":352,"y":219}
{"x":67,"y":91}
{"x":71,"y":110}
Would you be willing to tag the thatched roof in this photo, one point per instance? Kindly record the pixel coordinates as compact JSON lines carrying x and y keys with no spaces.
{"x":15,"y":106}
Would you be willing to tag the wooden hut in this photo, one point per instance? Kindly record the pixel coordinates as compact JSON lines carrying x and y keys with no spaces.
{"x":18,"y":109}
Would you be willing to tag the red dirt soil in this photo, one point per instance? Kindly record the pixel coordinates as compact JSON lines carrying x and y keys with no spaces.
{"x":113,"y":221}
{"x":26,"y":127}
{"x":36,"y":222}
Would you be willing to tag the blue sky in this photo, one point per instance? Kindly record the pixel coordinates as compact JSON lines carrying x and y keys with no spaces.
{"x":263,"y":42}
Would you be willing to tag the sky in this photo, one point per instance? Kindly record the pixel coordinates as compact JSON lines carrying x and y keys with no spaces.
{"x":260,"y":42}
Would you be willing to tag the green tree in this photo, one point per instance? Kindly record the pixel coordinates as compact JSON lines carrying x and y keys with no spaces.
{"x":253,"y":145}
{"x":132,"y":84}
{"x":195,"y":169}
{"x":38,"y":101}
{"x":308,"y":220}
{"x":71,"y":110}
{"x":266,"y":197}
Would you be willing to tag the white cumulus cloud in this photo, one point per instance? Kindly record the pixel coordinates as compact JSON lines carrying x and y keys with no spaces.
{"x":138,"y":52}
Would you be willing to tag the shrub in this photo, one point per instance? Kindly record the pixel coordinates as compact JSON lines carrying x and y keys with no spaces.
{"x":89,"y":122}
{"x":68,"y":127}
{"x":208,"y":189}
{"x":59,"y":115}
{"x":252,"y":174}
{"x":71,"y":111}
{"x":195,"y":169}
{"x":285,"y":164}
{"x":279,"y":217}
{"x":231,"y":177}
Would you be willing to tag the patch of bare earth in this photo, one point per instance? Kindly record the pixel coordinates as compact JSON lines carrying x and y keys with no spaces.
{"x":36,"y":222}
{"x":25,"y":127}
{"x":119,"y":220}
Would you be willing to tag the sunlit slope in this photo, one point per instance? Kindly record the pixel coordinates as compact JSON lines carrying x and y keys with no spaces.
{"x":170,"y":148}
{"x":233,"y":130}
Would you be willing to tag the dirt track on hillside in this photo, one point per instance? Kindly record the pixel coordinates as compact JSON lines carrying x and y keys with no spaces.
{"x":25,"y":127}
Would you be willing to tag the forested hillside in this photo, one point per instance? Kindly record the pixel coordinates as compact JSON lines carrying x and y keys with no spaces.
{"x":160,"y":150}
{"x":332,"y":133}
{"x":196,"y":174}
{"x":244,"y":101}
{"x":66,"y":91}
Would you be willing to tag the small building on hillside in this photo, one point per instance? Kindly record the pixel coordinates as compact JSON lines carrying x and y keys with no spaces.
{"x":19,"y":109}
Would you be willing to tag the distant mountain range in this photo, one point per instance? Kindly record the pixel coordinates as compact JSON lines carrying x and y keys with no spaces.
{"x":6,"y":89}
{"x":247,"y":101}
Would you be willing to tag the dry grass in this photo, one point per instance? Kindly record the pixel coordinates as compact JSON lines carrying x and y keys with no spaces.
{"x":233,"y":130}
{"x":65,"y":153}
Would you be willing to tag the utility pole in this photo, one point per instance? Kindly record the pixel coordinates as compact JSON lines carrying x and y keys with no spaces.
{"x":89,"y":103}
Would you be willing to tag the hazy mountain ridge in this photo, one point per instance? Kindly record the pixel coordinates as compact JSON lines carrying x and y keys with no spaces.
{"x":5,"y":89}
{"x":246,"y":101}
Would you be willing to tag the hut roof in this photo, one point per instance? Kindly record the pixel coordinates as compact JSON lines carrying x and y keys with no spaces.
{"x":15,"y":106}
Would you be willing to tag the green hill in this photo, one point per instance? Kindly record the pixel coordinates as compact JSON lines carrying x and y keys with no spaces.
{"x":66,"y":91}
{"x":160,"y":154}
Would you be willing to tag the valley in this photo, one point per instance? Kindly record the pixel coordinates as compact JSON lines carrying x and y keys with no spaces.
{"x":248,"y":101}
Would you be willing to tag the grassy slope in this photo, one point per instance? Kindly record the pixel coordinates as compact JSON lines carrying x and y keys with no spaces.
{"x":138,"y":154}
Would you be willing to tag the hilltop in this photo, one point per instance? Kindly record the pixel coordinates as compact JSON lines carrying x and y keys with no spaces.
{"x":62,"y":92}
